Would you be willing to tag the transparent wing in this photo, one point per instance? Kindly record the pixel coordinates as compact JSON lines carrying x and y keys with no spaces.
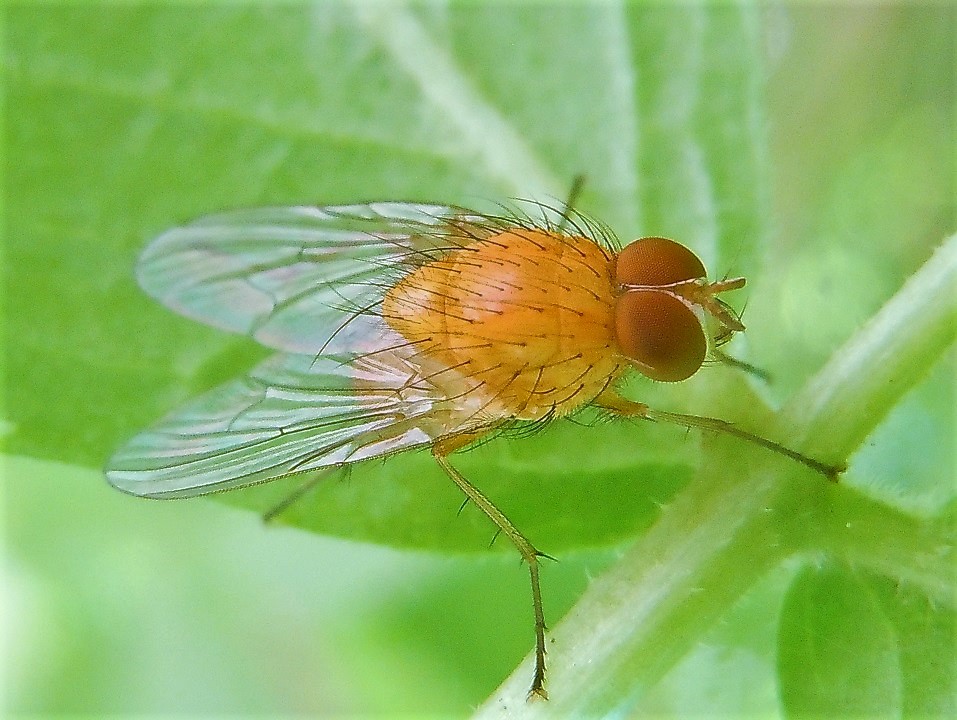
{"x":291,"y":277}
{"x":291,"y":414}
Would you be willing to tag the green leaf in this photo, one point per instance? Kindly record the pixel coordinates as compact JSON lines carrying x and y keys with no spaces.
{"x":124,"y":128}
{"x":854,"y":643}
{"x":838,"y":653}
{"x":925,"y":632}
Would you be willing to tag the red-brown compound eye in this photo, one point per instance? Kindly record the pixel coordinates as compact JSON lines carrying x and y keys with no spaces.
{"x":661,"y":333}
{"x":657,"y":261}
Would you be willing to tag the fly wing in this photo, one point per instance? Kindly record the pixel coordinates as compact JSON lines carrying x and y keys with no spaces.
{"x":293,"y":277}
{"x":295,"y":413}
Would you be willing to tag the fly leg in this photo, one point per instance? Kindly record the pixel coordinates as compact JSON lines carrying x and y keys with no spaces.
{"x":612,"y":401}
{"x":441,"y":450}
{"x":293,"y":497}
{"x":737,"y":364}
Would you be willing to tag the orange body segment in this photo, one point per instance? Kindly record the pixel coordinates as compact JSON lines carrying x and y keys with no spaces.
{"x":525,"y":316}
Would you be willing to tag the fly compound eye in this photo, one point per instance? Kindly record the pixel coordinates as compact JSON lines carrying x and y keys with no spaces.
{"x":657,"y":261}
{"x":661,"y":334}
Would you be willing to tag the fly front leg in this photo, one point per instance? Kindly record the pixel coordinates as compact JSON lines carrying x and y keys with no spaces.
{"x":441,"y":450}
{"x":614,"y":402}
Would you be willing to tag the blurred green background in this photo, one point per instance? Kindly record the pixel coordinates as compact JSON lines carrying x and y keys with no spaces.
{"x":811,"y":148}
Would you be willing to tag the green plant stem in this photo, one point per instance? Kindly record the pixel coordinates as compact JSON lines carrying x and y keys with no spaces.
{"x":740,"y":518}
{"x":840,"y":406}
{"x":864,"y":532}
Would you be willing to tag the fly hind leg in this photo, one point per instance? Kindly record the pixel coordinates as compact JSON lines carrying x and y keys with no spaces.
{"x":441,"y":450}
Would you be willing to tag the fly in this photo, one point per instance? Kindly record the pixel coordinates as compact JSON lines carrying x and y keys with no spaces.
{"x":403,"y":325}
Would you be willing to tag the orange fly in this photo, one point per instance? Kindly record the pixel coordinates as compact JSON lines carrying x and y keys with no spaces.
{"x":408,"y":325}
